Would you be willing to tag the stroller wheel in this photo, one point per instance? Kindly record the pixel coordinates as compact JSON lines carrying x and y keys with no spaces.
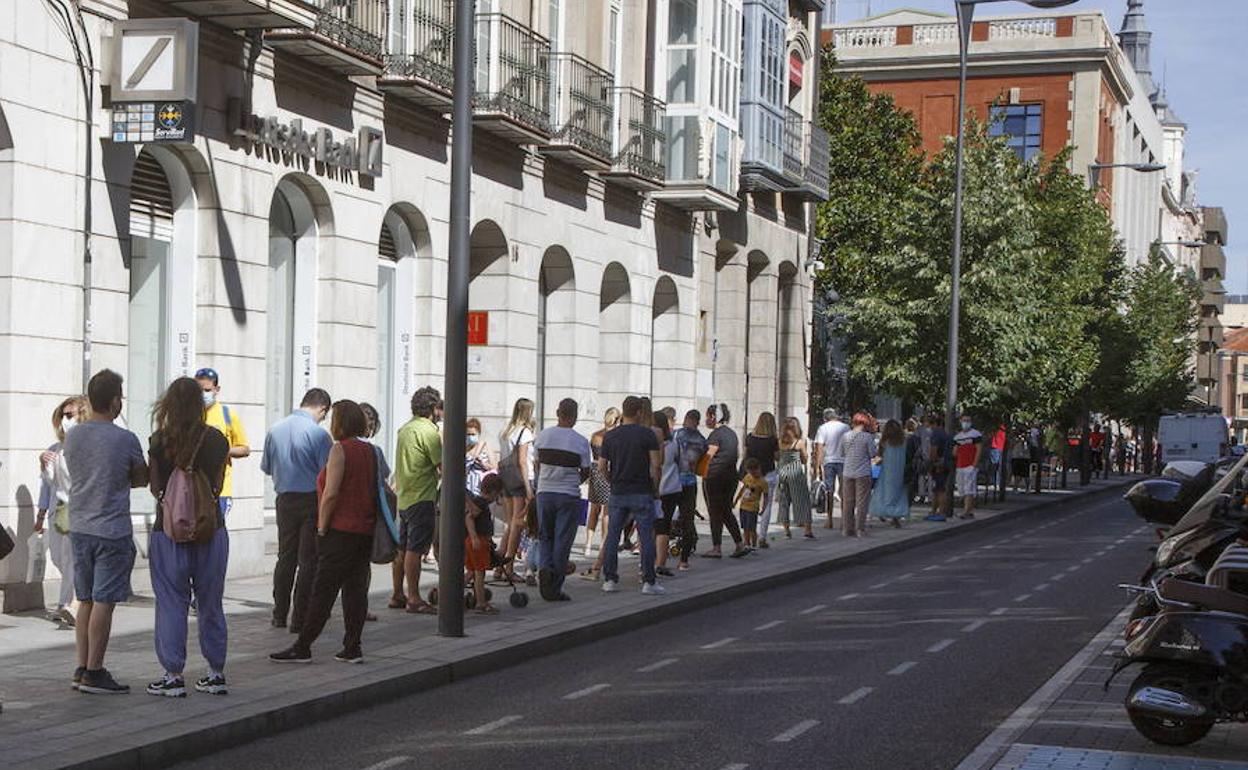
{"x":674,"y":549}
{"x":519,"y":599}
{"x":470,"y":601}
{"x":489,"y":594}
{"x":433,"y":596}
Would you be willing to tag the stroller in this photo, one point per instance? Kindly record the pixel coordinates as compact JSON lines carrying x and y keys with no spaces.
{"x":518,"y":599}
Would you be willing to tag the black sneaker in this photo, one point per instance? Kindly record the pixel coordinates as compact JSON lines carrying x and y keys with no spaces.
{"x":78,"y":674}
{"x":213,"y":684}
{"x":664,"y":571}
{"x":168,"y":687}
{"x":291,"y":655}
{"x":349,"y":656}
{"x":101,"y":683}
{"x":543,"y":582}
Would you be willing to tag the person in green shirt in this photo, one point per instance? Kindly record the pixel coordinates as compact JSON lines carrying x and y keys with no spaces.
{"x":418,"y":466}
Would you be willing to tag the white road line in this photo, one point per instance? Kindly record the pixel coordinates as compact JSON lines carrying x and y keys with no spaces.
{"x":906,"y":576}
{"x":735,"y":766}
{"x":813,"y":610}
{"x":721,"y":643}
{"x":795,"y":731}
{"x":856,"y":696}
{"x":1000,"y":611}
{"x":953,"y":559}
{"x":987,"y":547}
{"x":1058,"y":576}
{"x":1088,"y":560}
{"x":658,"y":664}
{"x":766,"y":626}
{"x":974,"y":625}
{"x":492,"y":726}
{"x":385,"y":764}
{"x":1073,"y":568}
{"x":943,"y":644}
{"x":929,"y":569}
{"x":903,"y":668}
{"x":587,"y":691}
{"x":847,"y":597}
{"x":1022,"y":598}
{"x":1041,"y":587}
{"x":881,"y":585}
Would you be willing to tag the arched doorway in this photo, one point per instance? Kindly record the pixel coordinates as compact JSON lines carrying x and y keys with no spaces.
{"x":493,"y":381}
{"x":556,"y":332}
{"x":403,"y":239}
{"x":615,"y":338}
{"x":760,"y":339}
{"x":670,"y":354}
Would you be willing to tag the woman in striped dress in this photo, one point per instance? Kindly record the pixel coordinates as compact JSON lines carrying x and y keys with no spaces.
{"x":792,"y":489}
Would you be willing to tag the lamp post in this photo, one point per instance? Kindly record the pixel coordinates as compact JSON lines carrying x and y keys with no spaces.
{"x":966,"y":11}
{"x":1094,"y":170}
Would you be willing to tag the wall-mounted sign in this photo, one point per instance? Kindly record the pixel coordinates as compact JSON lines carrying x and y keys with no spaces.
{"x":154,"y":60}
{"x":153,"y":122}
{"x":361,"y":153}
{"x":796,"y":69}
{"x":478,"y":327}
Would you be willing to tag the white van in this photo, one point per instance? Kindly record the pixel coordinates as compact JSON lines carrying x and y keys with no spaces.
{"x":1195,"y":436}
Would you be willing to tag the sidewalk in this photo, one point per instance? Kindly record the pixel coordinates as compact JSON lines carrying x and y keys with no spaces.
{"x":46,"y":725}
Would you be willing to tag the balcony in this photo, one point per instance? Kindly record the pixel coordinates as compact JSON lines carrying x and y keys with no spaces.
{"x":422,"y":71}
{"x":582,"y":111}
{"x":811,"y":5}
{"x":346,"y":37}
{"x":250,"y":14}
{"x":513,"y":80}
{"x":769,"y":148}
{"x":703,"y":162}
{"x":639,"y":140}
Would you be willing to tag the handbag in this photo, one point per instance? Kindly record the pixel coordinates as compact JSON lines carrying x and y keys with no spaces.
{"x":60,"y":518}
{"x":385,"y":530}
{"x":820,"y":495}
{"x":6,"y":542}
{"x":37,"y":558}
{"x":513,"y":476}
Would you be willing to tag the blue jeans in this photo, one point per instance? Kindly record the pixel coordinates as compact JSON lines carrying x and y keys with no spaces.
{"x":178,"y":570}
{"x":558,"y":516}
{"x":641,"y":509}
{"x":831,"y":475}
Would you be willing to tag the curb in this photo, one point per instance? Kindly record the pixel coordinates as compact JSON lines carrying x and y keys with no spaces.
{"x":170,"y":745}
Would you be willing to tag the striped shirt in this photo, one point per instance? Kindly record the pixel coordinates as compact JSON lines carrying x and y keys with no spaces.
{"x":561,"y":455}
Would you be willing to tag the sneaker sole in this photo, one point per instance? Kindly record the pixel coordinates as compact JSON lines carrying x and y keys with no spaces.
{"x":300,"y":660}
{"x":82,"y":688}
{"x":168,"y":693}
{"x":212,"y":689}
{"x":352,"y":661}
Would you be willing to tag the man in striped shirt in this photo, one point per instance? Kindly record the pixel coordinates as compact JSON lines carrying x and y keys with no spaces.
{"x":563,"y":460}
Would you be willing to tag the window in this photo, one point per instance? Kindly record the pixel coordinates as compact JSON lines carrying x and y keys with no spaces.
{"x":1021,"y":125}
{"x":613,"y":45}
{"x":682,"y":52}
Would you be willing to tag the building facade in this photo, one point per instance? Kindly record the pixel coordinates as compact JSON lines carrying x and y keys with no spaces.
{"x":634,"y":228}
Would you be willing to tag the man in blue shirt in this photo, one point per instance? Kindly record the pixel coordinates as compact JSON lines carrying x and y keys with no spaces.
{"x":295,"y":450}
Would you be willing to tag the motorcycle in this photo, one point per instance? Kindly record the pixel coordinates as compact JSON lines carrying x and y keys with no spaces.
{"x":1195,"y":657}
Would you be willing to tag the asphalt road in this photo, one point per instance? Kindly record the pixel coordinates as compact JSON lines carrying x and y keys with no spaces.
{"x":906,"y":661}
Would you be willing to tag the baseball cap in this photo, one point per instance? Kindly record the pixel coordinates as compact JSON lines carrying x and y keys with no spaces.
{"x":208,"y":373}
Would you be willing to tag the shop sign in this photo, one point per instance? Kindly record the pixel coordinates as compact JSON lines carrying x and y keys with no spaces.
{"x":154,"y":60}
{"x":478,"y":327}
{"x":361,"y":153}
{"x":153,"y":122}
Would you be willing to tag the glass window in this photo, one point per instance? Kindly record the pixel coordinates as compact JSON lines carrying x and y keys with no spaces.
{"x":721,"y":174}
{"x":1021,"y":125}
{"x":682,"y":147}
{"x":681,"y":75}
{"x":682,"y":22}
{"x":613,"y":51}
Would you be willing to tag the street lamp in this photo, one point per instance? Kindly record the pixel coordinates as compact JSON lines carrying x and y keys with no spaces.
{"x":966,"y":10}
{"x":1094,"y":169}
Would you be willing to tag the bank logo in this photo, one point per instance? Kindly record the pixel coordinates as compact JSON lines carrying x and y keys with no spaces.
{"x":170,"y":116}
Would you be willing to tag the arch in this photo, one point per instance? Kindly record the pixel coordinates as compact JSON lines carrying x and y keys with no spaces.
{"x":487,"y":247}
{"x":616,"y":378}
{"x":402,"y":239}
{"x":759,"y":344}
{"x":556,"y":331}
{"x":671,"y":350}
{"x":790,"y":361}
{"x":502,"y":370}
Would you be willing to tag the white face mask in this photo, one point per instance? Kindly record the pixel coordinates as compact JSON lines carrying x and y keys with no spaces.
{"x":210,"y":398}
{"x":966,"y":425}
{"x":68,"y":424}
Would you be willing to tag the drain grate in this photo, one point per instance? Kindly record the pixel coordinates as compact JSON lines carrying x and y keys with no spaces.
{"x":1027,"y":757}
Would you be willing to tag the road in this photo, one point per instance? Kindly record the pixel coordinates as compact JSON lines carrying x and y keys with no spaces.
{"x":906,"y":661}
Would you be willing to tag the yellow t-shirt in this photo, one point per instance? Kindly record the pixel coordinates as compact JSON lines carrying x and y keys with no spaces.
{"x":234,"y":433}
{"x":752,"y":493}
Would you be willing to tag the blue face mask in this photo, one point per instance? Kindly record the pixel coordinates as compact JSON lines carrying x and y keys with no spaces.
{"x":472,"y":439}
{"x":210,"y":398}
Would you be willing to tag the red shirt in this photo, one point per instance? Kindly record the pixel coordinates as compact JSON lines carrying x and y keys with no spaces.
{"x":967,"y":444}
{"x":1097,"y":440}
{"x":356,"y":509}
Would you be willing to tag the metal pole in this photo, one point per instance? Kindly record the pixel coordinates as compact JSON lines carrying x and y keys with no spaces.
{"x":965,"y":12}
{"x":455,"y":412}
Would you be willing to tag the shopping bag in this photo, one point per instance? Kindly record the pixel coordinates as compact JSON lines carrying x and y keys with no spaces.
{"x":37,"y":560}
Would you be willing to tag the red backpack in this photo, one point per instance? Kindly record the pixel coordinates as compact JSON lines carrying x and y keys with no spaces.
{"x":189,"y":508}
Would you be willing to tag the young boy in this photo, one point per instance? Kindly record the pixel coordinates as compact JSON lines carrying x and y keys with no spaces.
{"x":480,"y":540}
{"x":750,"y":498}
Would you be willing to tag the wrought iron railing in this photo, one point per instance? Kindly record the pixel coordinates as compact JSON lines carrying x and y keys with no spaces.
{"x":817,"y":146}
{"x":355,"y":24}
{"x":640,"y":143}
{"x":582,"y":107}
{"x":513,"y":70}
{"x":422,"y":48}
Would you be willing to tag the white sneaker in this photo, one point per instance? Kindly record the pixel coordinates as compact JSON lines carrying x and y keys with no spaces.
{"x":653,"y":589}
{"x":610,"y":586}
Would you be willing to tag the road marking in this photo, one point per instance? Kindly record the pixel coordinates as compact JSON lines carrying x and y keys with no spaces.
{"x":1000,"y":611}
{"x":1022,"y":597}
{"x":721,"y":643}
{"x":1041,"y":587}
{"x":1089,"y":560}
{"x":974,"y":625}
{"x":1058,"y":576}
{"x":658,"y":664}
{"x":906,"y":576}
{"x":903,"y":668}
{"x":735,"y":766}
{"x":987,"y":547}
{"x":953,"y":559}
{"x":929,"y":569}
{"x":856,"y":696}
{"x":388,"y":763}
{"x":813,"y":610}
{"x":587,"y":691}
{"x":943,"y":644}
{"x":492,"y":726}
{"x":795,"y":731}
{"x":847,"y":597}
{"x":1073,"y":568}
{"x":881,"y":585}
{"x":766,"y":626}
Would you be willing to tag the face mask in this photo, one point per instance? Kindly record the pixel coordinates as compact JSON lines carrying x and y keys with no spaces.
{"x":472,"y":439}
{"x":68,"y":424}
{"x":210,"y":398}
{"x":966,"y":425}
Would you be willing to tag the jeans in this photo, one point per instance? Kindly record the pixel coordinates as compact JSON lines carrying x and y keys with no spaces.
{"x":102,"y":567}
{"x":719,"y":491}
{"x":558,"y":516}
{"x":342,"y":564}
{"x":178,"y":569}
{"x":641,"y":509}
{"x":831,"y":474}
{"x":296,"y":554}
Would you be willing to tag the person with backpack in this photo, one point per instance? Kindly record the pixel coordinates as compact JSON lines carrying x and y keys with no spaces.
{"x":224,"y":419}
{"x":188,"y":549}
{"x":690,"y":448}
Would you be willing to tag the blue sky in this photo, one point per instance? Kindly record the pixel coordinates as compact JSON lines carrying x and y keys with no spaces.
{"x":1198,"y":52}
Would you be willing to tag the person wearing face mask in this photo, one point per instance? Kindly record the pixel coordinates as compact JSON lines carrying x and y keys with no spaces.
{"x":295,"y":450}
{"x":218,"y":415}
{"x":54,"y":498}
{"x":476,"y":456}
{"x":968,"y":446}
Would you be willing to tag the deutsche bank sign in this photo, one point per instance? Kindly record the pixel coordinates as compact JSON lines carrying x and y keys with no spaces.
{"x":361,"y":153}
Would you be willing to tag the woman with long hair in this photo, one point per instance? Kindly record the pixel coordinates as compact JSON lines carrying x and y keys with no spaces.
{"x":345,"y":518}
{"x":599,"y":488}
{"x":515,"y":462}
{"x":763,"y":445}
{"x":890,"y":500}
{"x":858,"y":447}
{"x":720,"y":483}
{"x":181,"y":439}
{"x":670,"y":489}
{"x":792,"y":488}
{"x":54,"y":499}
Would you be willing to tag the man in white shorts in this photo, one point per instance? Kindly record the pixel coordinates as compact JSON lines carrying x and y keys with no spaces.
{"x":968,"y":445}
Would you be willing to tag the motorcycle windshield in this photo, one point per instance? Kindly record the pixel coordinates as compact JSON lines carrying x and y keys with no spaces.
{"x":1203,"y":509}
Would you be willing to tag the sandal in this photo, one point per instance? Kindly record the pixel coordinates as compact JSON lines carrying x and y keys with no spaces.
{"x":397,"y":602}
{"x":683,"y":566}
{"x":422,"y":608}
{"x":589,"y":574}
{"x":486,"y":609}
{"x":711,"y":555}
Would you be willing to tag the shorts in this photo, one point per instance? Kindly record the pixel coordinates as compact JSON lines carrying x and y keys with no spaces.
{"x":668,"y":506}
{"x":102,"y":567}
{"x":416,"y":527}
{"x":477,"y":559}
{"x":967,"y":478}
{"x":749,"y":520}
{"x":940,"y":480}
